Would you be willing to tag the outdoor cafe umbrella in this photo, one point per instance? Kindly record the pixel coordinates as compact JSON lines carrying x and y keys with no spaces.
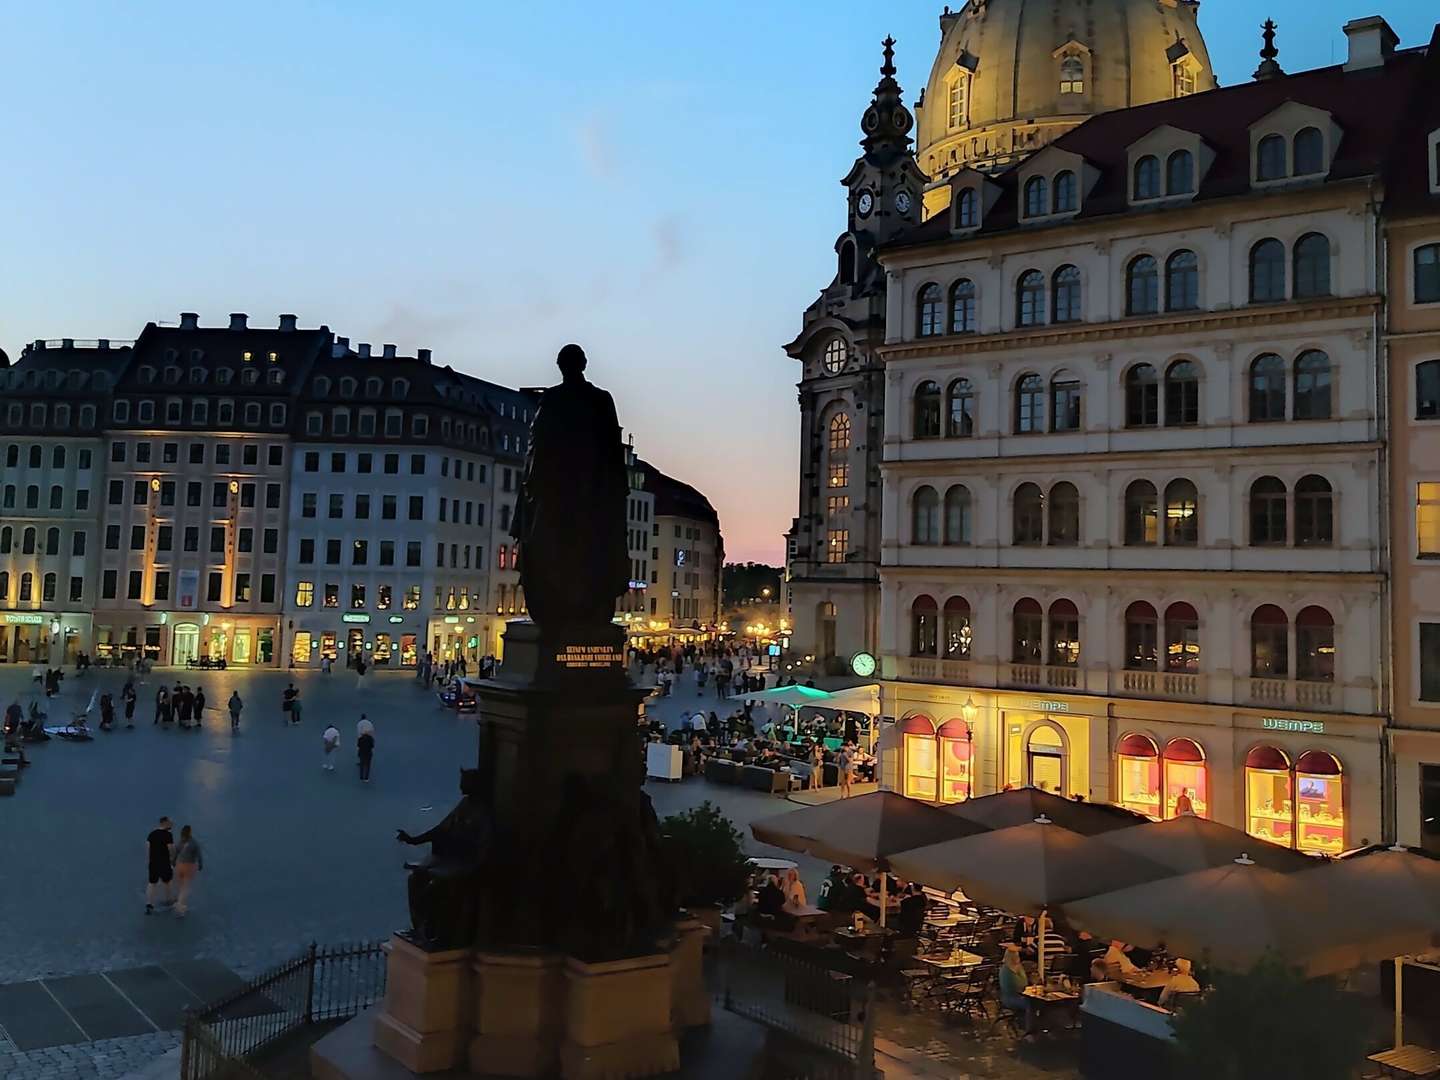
{"x":1027,"y":869}
{"x":1189,"y":843}
{"x":1023,"y":805}
{"x":865,"y":831}
{"x":1232,"y":915}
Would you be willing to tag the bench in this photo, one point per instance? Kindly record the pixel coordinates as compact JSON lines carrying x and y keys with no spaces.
{"x":721,"y":771}
{"x":758,"y":778}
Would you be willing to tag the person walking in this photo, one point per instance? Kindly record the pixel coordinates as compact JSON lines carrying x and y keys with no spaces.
{"x":235,"y":706}
{"x":287,"y":703}
{"x":127,"y":695}
{"x":329,"y":742}
{"x":160,"y":854}
{"x":107,"y":712}
{"x":199,"y":706}
{"x":845,"y":769}
{"x":365,"y":747}
{"x":189,"y":861}
{"x":162,"y":706}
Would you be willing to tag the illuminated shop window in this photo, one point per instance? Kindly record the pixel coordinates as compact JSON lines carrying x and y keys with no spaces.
{"x":956,"y":755}
{"x":1138,"y":765}
{"x":1187,"y":787}
{"x":1269,"y":796}
{"x":921,"y":758}
{"x":1300,"y":806}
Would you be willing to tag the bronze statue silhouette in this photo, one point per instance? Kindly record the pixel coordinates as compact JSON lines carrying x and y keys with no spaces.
{"x":570,"y":517}
{"x":444,"y":888}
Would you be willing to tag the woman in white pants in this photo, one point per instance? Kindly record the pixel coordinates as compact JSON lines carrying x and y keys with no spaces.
{"x":188,"y":862}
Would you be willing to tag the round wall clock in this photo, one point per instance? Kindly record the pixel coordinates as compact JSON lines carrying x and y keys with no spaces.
{"x":863,"y":664}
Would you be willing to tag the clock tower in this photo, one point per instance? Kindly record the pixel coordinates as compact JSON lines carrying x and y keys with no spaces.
{"x":834,"y":570}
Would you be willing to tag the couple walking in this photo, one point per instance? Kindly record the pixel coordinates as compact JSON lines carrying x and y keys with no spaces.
{"x":364,"y":746}
{"x":173,"y":867}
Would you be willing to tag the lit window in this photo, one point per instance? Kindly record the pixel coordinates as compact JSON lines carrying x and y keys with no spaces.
{"x":957,"y":96}
{"x":839,"y":474}
{"x":1184,"y":79}
{"x":304,"y":593}
{"x":1072,"y":75}
{"x":836,"y":545}
{"x":1427,"y":520}
{"x":839,"y":432}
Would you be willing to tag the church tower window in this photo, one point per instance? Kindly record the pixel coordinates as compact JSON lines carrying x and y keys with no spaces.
{"x":1184,"y":79}
{"x":1072,"y":75}
{"x":956,"y":100}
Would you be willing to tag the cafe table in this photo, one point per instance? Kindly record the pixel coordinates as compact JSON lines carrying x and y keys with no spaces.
{"x":952,"y":961}
{"x":1045,"y":998}
{"x":1408,"y":1060}
{"x":1145,"y":979}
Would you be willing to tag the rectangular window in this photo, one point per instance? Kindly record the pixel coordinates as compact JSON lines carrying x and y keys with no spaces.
{"x":362,"y":462}
{"x":222,"y":453}
{"x":275,"y":455}
{"x":1430,"y":661}
{"x":362,"y":507}
{"x":245,"y":541}
{"x":77,"y":544}
{"x":307,"y":504}
{"x":164,"y":537}
{"x":332,"y":552}
{"x":307,"y":551}
{"x":117,"y":451}
{"x":839,"y":475}
{"x":162,"y":585}
{"x":443,"y":501}
{"x":112,"y":537}
{"x":360,"y":553}
{"x":387,"y":507}
{"x":197,"y":453}
{"x":117,"y":492}
{"x":312,"y":461}
{"x":217,"y":539}
{"x":337,"y":463}
{"x":392,"y":463}
{"x":272,"y":541}
{"x":412,"y":553}
{"x":836,"y":545}
{"x":304,"y":593}
{"x":137,"y":537}
{"x":82,"y":499}
{"x":250,"y":453}
{"x":192,"y":493}
{"x":382,"y":597}
{"x":242,"y":588}
{"x":192,"y":538}
{"x":387,"y":552}
{"x":247,"y":495}
{"x":139,"y":492}
{"x":267,"y":588}
{"x":440,"y":555}
{"x":107,"y":585}
{"x":134,"y":580}
{"x":142,"y":453}
{"x":417,"y":507}
{"x":167,"y":493}
{"x":77,"y":589}
{"x":272,"y":496}
{"x":337,"y":505}
{"x":412,"y":597}
{"x":417,"y":464}
{"x":357,"y":597}
{"x":332,"y":595}
{"x":1427,"y":520}
{"x":217,"y":494}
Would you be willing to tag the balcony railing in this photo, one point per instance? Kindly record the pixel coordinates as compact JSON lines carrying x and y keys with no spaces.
{"x":1303,"y":694}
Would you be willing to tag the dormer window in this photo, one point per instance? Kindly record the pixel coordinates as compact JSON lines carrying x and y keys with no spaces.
{"x":1309,"y":152}
{"x":1037,"y":197}
{"x":1270,"y":158}
{"x":146,"y":374}
{"x":957,"y":100}
{"x":1147,"y":177}
{"x":1072,"y":75}
{"x":1183,"y":79}
{"x":1066,"y":190}
{"x":967,"y":210}
{"x":322,"y":386}
{"x":347,"y":387}
{"x":1180,"y":173}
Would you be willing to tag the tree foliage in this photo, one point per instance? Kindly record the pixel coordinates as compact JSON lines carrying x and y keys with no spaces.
{"x":707,"y":854}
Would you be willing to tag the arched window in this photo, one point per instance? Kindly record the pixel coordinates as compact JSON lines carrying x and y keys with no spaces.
{"x":1027,"y":631}
{"x":960,"y":413}
{"x":1066,"y":291}
{"x":924,"y":628}
{"x":1314,"y":512}
{"x":1029,"y":404}
{"x":1064,"y":515}
{"x":1182,"y":514}
{"x":957,"y":515}
{"x":927,"y":410}
{"x":962,"y":307}
{"x":1141,"y":632}
{"x":1065,"y":401}
{"x":6,"y":539}
{"x":1180,"y":173}
{"x":1312,"y":386}
{"x":47,"y":588}
{"x":1185,"y":776}
{"x":57,"y":457}
{"x":1066,"y":192}
{"x":4,"y":586}
{"x":1037,"y":197}
{"x":956,"y":630}
{"x":967,"y":214}
{"x":1267,"y":512}
{"x":57,"y":496}
{"x":27,"y":542}
{"x":1142,"y":286}
{"x":1142,"y":396}
{"x":1138,"y":763}
{"x":846,"y":268}
{"x":930,"y":319}
{"x":52,"y":541}
{"x":1072,"y":75}
{"x":1182,"y":639}
{"x":32,"y":496}
{"x":1314,"y":645}
{"x":1312,"y":266}
{"x":1182,"y":282}
{"x":1427,"y":274}
{"x":1267,"y":389}
{"x":1029,"y":515}
{"x":1427,"y":390}
{"x":1267,"y":271}
{"x":1269,"y":643}
{"x":1064,"y":634}
{"x":1270,"y":158}
{"x":1147,"y":177}
{"x":27,"y":587}
{"x":1182,"y":394}
{"x":1309,"y":150}
{"x":925,"y":516}
{"x":839,"y":432}
{"x":35,"y":456}
{"x":1141,"y":514}
{"x":1030,"y":299}
{"x":1320,"y":807}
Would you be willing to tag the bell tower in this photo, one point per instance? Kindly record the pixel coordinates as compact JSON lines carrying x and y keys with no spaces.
{"x":885,"y":184}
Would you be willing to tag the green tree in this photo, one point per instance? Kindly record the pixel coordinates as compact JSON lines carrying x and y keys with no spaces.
{"x":1271,"y":1022}
{"x":707,"y":854}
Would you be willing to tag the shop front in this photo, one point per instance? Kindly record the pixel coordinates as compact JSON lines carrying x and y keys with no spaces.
{"x":1046,"y":744}
{"x":455,"y":637}
{"x":43,"y":637}
{"x":1162,"y":782}
{"x":386,"y":641}
{"x":180,"y":638}
{"x":938,"y":758}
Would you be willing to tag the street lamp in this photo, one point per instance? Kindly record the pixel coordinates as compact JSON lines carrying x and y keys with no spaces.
{"x":968,"y":710}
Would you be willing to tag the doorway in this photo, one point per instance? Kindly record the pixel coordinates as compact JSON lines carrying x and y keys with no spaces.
{"x":242,"y":645}
{"x":327,"y":645}
{"x":382,"y":649}
{"x":1430,"y":809}
{"x":187,"y":644}
{"x":1045,"y":760}
{"x":354,"y":645}
{"x":300,"y":648}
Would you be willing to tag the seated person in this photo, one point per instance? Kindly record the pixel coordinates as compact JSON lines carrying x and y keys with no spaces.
{"x":1114,"y":964}
{"x":833,"y":881}
{"x":912,"y":909}
{"x":1013,"y":981}
{"x":1089,"y":953}
{"x":1182,"y":982}
{"x":770,"y":900}
{"x":794,"y":889}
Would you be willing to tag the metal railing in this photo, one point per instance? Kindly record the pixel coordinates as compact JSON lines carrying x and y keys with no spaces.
{"x":830,"y":1014}
{"x":222,"y":1038}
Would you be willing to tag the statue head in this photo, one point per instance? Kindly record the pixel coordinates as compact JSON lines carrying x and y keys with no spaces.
{"x":571,"y":361}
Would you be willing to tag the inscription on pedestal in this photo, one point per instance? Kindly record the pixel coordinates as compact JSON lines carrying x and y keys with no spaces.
{"x":590,"y":656}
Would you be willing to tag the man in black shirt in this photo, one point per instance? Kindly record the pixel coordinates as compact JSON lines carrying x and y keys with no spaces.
{"x":160,"y":849}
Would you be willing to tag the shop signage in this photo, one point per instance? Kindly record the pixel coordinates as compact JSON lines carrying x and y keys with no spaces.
{"x":188,"y":584}
{"x":638,"y":584}
{"x":1306,"y":727}
{"x":397,"y":618}
{"x":590,"y":656}
{"x":23,"y":618}
{"x":355,"y":616}
{"x":1046,"y":706}
{"x":452,"y":618}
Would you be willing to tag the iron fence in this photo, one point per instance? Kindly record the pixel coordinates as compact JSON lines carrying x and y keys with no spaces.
{"x":222,"y":1038}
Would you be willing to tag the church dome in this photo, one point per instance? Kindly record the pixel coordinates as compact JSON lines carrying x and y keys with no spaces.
{"x":1012,"y":75}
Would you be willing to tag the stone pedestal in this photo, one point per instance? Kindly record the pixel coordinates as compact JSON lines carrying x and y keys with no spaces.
{"x":689,"y":1000}
{"x":617,"y":1020}
{"x":518,"y":1016}
{"x":426,"y":1018}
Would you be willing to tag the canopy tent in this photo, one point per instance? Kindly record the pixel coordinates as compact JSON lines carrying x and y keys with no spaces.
{"x":1023,"y":805}
{"x":854,"y":699}
{"x":1186,"y":844}
{"x":862,"y":832}
{"x":1232,"y":915}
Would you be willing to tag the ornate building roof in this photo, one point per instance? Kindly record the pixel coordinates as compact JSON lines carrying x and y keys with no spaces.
{"x":1012,"y":75}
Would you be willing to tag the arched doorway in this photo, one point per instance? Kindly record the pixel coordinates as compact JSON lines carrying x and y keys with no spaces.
{"x":186,"y":644}
{"x":1045,"y":759}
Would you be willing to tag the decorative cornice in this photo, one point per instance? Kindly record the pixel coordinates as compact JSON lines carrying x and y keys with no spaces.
{"x":1036,"y":576}
{"x":1222,"y":455}
{"x":1125,"y":329}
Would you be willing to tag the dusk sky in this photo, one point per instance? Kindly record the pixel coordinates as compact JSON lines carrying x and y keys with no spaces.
{"x":657,"y":181}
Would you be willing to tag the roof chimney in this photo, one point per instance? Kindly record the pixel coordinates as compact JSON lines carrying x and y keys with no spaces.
{"x":364,"y":349}
{"x":189,"y":320}
{"x":389,"y":351}
{"x":423,"y":355}
{"x":1372,"y":43}
{"x":287,"y":322}
{"x":237,"y":320}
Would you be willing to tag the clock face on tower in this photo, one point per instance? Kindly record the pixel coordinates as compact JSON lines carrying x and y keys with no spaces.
{"x":865,"y":203}
{"x":902,"y":202}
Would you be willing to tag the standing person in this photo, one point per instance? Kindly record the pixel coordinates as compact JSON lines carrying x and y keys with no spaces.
{"x":329,"y":742}
{"x":162,"y":706}
{"x":189,"y":861}
{"x":235,"y":705}
{"x":160,"y":852}
{"x":817,"y":765}
{"x":107,"y":712}
{"x":360,"y":672}
{"x":845,"y":768}
{"x":199,"y":706}
{"x":1183,"y":806}
{"x":127,"y":695}
{"x":365,"y":747}
{"x":183,"y":703}
{"x":287,"y":702}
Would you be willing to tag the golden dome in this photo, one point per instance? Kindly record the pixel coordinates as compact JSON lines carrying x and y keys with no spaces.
{"x":1012,"y":75}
